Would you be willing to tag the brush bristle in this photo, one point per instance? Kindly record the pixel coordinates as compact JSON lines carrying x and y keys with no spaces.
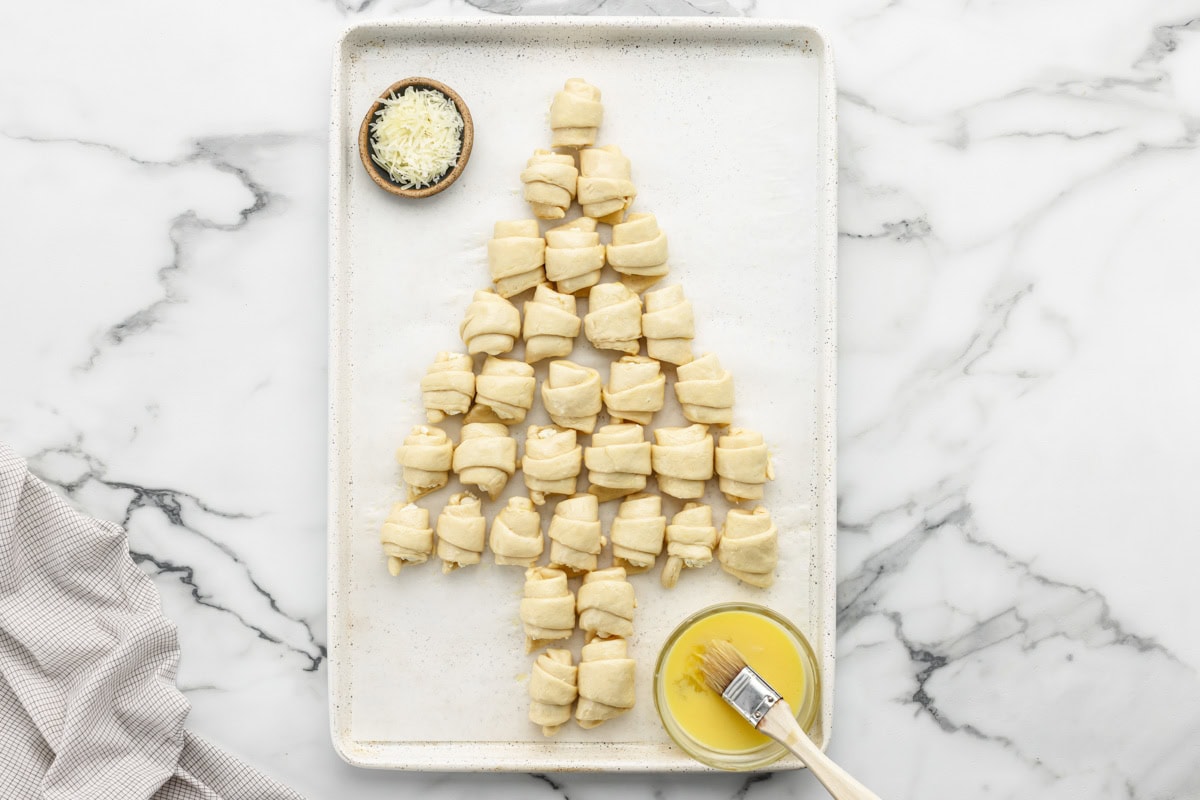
{"x":720,"y":664}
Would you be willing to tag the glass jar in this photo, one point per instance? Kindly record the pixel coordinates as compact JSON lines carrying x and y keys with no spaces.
{"x":714,"y":721}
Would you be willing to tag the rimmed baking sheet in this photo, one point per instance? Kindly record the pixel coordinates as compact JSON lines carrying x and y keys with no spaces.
{"x":731,"y":130}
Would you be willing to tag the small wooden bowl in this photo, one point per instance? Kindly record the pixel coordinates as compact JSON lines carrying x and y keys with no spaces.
{"x":380,"y":175}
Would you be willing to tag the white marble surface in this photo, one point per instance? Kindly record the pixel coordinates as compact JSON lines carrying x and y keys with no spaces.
{"x":1019,"y":390}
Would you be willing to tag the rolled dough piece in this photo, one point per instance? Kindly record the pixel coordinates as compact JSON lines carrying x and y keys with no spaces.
{"x":548,"y":607}
{"x":551,"y":324}
{"x":605,"y":604}
{"x":705,"y":391}
{"x":605,"y":189}
{"x":682,"y":459}
{"x":406,"y":536}
{"x":574,"y":255}
{"x":550,"y":180}
{"x":669,"y":325}
{"x":639,"y":251}
{"x":606,"y":682}
{"x":571,"y":395}
{"x":614,"y":318}
{"x":637,"y":532}
{"x":461,"y":529}
{"x":743,"y":465}
{"x":691,"y":537}
{"x":516,"y":538}
{"x":575,"y":540}
{"x":503,"y":392}
{"x":618,"y":461}
{"x":485,"y":457}
{"x":553,"y":687}
{"x":575,"y":114}
{"x":448,"y":386}
{"x":516,"y":255}
{"x":491,"y":325}
{"x":552,"y":461}
{"x":426,"y":456}
{"x":749,"y":548}
{"x":636,"y":389}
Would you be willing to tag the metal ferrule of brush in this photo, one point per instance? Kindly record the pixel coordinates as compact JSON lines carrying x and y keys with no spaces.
{"x":750,"y":695}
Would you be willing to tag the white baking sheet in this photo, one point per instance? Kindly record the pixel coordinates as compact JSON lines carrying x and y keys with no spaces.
{"x":730,"y":128}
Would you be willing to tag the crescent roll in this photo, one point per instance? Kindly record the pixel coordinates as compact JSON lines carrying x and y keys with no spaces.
{"x":575,"y":114}
{"x":606,"y":687}
{"x":491,"y":325}
{"x":552,"y":461}
{"x":575,"y":540}
{"x":485,"y":457}
{"x":749,"y":548}
{"x":460,"y":532}
{"x":682,"y":459}
{"x":574,"y":255}
{"x":636,"y":389}
{"x":669,"y":325}
{"x":503,"y":392}
{"x":637,"y":532}
{"x":605,"y":604}
{"x":614,"y":318}
{"x":552,"y":690}
{"x":516,"y":253}
{"x":605,"y":188}
{"x":705,"y":391}
{"x":406,"y":536}
{"x":448,"y":386}
{"x":516,"y":538}
{"x":551,"y":325}
{"x":548,"y":607}
{"x":743,"y":465}
{"x":618,"y":461}
{"x":550,"y":180}
{"x":571,"y":394}
{"x":691,"y":537}
{"x":639,"y":251}
{"x":426,"y":455}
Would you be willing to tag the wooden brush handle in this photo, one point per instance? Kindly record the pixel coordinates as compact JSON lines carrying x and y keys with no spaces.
{"x":780,"y":724}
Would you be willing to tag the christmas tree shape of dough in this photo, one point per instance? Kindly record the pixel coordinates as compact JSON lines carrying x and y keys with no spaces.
{"x":560,"y":264}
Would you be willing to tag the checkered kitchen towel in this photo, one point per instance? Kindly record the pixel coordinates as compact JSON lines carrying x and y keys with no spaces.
{"x":88,"y":703}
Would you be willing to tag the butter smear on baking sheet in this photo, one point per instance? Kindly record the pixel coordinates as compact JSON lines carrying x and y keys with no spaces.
{"x":416,"y":137}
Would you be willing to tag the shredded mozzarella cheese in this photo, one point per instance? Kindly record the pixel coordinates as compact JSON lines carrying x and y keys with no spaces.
{"x":416,"y":137}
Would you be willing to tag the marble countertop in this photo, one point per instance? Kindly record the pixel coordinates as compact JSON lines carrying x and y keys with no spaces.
{"x":1018,"y":403}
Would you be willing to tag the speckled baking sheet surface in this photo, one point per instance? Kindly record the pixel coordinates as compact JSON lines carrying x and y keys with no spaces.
{"x":730,"y":128}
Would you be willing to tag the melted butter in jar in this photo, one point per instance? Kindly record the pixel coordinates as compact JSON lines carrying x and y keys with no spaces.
{"x":699,"y":719}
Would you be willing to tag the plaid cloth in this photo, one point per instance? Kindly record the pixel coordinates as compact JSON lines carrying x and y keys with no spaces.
{"x":88,"y":703}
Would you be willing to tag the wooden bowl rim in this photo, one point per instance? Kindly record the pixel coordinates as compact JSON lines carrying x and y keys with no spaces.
{"x":364,"y":139}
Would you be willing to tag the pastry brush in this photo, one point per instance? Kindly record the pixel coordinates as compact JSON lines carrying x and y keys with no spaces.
{"x":726,"y":673}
